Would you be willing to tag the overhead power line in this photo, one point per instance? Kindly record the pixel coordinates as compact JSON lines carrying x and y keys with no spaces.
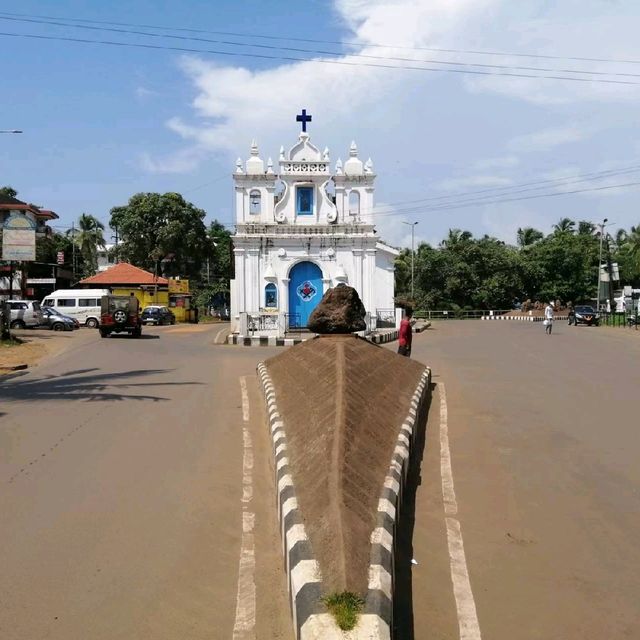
{"x":236,"y":54}
{"x":494,"y":192}
{"x":342,"y":43}
{"x":317,"y":51}
{"x":530,"y":197}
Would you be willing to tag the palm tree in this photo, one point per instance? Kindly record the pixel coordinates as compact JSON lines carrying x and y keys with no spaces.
{"x":528,"y":235}
{"x":456,"y":237}
{"x":586,"y":228}
{"x":565,"y":225}
{"x":621,"y":237}
{"x":88,"y":237}
{"x":633,"y":244}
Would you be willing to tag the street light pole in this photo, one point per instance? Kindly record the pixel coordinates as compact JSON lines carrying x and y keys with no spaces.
{"x":413,"y":226}
{"x":10,"y":131}
{"x":602,"y":226}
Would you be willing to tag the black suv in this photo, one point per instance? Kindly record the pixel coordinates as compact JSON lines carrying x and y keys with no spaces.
{"x":120,"y":314}
{"x":584,"y":314}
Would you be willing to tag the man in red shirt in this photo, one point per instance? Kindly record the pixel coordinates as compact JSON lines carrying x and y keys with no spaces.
{"x":404,"y":338}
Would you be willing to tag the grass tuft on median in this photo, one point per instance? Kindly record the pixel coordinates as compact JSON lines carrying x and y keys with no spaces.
{"x":345,"y":608}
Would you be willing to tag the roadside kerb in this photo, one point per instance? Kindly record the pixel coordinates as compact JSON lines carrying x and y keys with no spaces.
{"x":377,"y":619}
{"x":523,"y":318}
{"x":272,"y":341}
{"x":310,"y":619}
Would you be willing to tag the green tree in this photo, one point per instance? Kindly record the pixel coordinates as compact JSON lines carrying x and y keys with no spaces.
{"x":88,"y":237}
{"x":633,"y":244}
{"x":527,"y":236}
{"x":564,"y":225}
{"x":162,"y":233}
{"x":9,"y":192}
{"x":586,"y":228}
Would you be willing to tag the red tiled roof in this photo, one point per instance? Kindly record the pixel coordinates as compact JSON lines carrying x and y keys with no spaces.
{"x":47,"y":213}
{"x":124,"y":273}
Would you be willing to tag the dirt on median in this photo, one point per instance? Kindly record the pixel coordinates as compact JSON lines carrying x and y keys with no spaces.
{"x":343,"y":401}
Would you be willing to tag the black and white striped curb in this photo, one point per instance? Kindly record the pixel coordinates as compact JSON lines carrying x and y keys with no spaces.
{"x":265,"y":341}
{"x":272,"y":341}
{"x":310,"y":619}
{"x":383,"y":337}
{"x":377,"y":619}
{"x":523,"y":318}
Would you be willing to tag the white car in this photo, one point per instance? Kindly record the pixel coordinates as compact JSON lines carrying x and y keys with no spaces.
{"x":24,"y":313}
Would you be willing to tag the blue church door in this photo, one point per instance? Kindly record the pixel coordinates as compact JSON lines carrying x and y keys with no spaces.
{"x":305,"y":292}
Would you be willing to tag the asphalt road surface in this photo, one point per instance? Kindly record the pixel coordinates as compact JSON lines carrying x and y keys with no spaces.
{"x":121,"y":487}
{"x":544,"y":440}
{"x":121,"y":481}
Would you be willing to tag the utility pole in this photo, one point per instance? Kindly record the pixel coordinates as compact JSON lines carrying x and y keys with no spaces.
{"x":73,"y":250}
{"x":10,"y":279}
{"x":413,"y":226}
{"x":602,"y":225}
{"x":116,"y":237}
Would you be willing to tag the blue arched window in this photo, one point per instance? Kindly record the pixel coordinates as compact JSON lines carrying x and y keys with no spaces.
{"x":271,"y":296}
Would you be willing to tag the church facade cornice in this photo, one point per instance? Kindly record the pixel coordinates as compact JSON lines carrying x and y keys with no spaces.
{"x":296,"y":230}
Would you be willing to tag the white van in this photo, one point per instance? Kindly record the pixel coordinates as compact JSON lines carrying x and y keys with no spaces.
{"x":81,"y":304}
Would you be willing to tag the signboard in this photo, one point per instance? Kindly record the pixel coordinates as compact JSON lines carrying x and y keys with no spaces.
{"x":19,"y":238}
{"x":41,"y":280}
{"x":60,"y":257}
{"x":178,"y":286}
{"x":18,"y":244}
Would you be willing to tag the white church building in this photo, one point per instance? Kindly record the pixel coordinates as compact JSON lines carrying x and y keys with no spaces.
{"x":302,"y":228}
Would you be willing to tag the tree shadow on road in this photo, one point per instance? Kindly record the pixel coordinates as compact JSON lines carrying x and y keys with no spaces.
{"x":403,"y":587}
{"x":85,"y":384}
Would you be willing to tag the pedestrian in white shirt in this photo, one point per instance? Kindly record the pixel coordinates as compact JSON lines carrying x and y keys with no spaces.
{"x":548,"y":318}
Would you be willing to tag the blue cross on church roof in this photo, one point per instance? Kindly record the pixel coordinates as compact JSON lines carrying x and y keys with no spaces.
{"x":304,"y":118}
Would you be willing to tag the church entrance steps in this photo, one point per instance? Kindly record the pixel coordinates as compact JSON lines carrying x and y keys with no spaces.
{"x":345,"y":418}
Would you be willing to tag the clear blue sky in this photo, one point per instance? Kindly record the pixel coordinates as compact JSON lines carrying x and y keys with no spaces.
{"x":102,"y":123}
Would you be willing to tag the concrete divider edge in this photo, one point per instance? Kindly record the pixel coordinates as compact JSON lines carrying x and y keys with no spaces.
{"x":304,"y":579}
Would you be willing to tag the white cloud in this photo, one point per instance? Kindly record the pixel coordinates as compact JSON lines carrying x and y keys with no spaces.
{"x":142,"y":93}
{"x":420,"y":127}
{"x":240,"y":103}
{"x":501,"y":162}
{"x":547,"y":139}
{"x":181,"y":161}
{"x":455,"y":184}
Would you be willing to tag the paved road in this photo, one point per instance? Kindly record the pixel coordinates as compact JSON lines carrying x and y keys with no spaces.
{"x":545,"y":448}
{"x":120,"y":492}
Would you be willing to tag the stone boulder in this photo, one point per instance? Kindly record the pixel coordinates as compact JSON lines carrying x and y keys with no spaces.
{"x":339,"y":311}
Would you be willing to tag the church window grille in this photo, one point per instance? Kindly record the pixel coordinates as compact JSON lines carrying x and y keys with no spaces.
{"x":271,"y":296}
{"x":255,"y":202}
{"x":304,"y":201}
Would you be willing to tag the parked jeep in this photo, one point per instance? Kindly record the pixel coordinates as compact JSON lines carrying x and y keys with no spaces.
{"x":120,"y":314}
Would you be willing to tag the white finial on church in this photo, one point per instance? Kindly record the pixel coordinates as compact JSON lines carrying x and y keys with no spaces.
{"x":368,"y":166}
{"x":254,"y":163}
{"x":281,"y":154}
{"x":239,"y":166}
{"x":353,"y":166}
{"x":270,"y":170}
{"x":339,"y":167}
{"x":325,"y":154}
